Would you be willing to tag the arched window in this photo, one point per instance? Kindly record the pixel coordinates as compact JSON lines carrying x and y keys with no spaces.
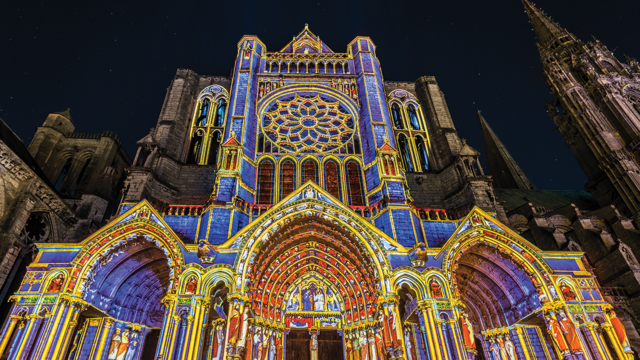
{"x":397,"y":117}
{"x":204,"y":112}
{"x":332,"y":178}
{"x":310,"y":171}
{"x":265,"y":182}
{"x":405,"y":153}
{"x":194,"y":150}
{"x":63,"y":175}
{"x":80,"y":176}
{"x":287,"y":178}
{"x":214,"y":148}
{"x":413,"y":118}
{"x":422,"y":153}
{"x":356,"y":145}
{"x":355,"y":184}
{"x":222,"y":107}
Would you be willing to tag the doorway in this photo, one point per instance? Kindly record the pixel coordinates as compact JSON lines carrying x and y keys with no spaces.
{"x":298,"y":342}
{"x":330,"y":345}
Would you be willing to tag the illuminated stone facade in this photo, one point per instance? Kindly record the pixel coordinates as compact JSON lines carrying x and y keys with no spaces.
{"x":269,"y":216}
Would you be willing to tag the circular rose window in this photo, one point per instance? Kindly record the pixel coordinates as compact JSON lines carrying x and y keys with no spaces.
{"x":308,"y":124}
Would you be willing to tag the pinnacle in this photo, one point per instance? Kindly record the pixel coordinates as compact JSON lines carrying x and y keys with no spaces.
{"x":546,"y":29}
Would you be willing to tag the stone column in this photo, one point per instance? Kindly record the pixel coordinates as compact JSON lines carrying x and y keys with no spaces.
{"x":169,"y":328}
{"x":523,"y":343}
{"x":615,"y":342}
{"x":426,"y":309}
{"x":8,"y":331}
{"x":28,"y":336}
{"x":68,"y":329}
{"x":106,"y":327}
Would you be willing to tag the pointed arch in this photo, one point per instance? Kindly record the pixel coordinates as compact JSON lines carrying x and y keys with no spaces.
{"x":405,"y":153}
{"x":214,"y":148}
{"x":310,"y":171}
{"x":287,"y":177}
{"x":422,"y":153}
{"x":203,"y":113}
{"x":266,"y":181}
{"x":221,"y":109}
{"x":396,"y":115}
{"x":332,"y":178}
{"x":413,"y":117}
{"x":355,"y":189}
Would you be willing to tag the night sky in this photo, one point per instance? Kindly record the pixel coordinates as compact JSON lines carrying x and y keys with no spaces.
{"x":112,"y":63}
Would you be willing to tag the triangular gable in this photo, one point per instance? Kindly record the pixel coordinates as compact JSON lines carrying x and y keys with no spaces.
{"x":479,"y":218}
{"x":386,"y":148}
{"x":306,"y":40}
{"x":308,"y":190}
{"x":142,"y":210}
{"x":468,"y":151}
{"x":231,"y":142}
{"x":147,"y":140}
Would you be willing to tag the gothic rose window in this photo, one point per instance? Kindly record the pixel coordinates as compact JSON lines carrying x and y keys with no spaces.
{"x":308,"y":124}
{"x":36,"y":229}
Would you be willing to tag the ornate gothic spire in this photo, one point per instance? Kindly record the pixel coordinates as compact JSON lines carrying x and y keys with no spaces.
{"x":506,"y":172}
{"x":546,"y":29}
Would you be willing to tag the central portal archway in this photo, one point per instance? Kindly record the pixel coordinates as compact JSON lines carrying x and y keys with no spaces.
{"x":313,"y":279}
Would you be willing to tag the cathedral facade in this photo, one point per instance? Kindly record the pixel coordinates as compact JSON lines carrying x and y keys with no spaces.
{"x":305,"y":208}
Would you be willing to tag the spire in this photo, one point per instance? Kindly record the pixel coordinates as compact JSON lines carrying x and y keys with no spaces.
{"x":546,"y":29}
{"x":507,"y":174}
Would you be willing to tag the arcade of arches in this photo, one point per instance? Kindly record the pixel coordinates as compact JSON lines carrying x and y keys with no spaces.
{"x":307,"y":281}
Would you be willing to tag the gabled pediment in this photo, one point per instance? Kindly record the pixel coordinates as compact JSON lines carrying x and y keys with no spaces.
{"x":314,"y":193}
{"x":306,"y":42}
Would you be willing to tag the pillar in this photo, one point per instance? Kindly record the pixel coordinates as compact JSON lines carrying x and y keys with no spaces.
{"x":169,"y":328}
{"x":614,"y":341}
{"x":28,"y":337}
{"x":523,"y":343}
{"x":197,"y":321}
{"x":426,"y":310}
{"x":8,"y":331}
{"x":106,"y":327}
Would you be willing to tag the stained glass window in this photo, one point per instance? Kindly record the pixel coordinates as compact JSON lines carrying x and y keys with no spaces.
{"x":287,"y":178}
{"x":422,"y":153}
{"x":213,"y":148}
{"x":397,"y":117}
{"x":332,"y":178}
{"x":355,"y":185}
{"x":204,"y":111}
{"x":308,"y":124}
{"x":222,"y":106}
{"x":413,"y":118}
{"x":309,"y":171}
{"x":265,"y":182}
{"x":405,"y":153}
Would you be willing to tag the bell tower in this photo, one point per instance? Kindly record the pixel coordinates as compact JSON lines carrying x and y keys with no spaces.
{"x":596,"y":109}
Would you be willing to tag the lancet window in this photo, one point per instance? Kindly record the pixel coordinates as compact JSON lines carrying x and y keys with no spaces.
{"x":208,"y":126}
{"x":413,"y":117}
{"x":405,"y":153}
{"x":422,"y":153}
{"x":265,"y":182}
{"x":354,"y":182}
{"x":410,"y":130}
{"x":309,"y":171}
{"x":397,"y":116}
{"x":287,"y":178}
{"x":332,"y":178}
